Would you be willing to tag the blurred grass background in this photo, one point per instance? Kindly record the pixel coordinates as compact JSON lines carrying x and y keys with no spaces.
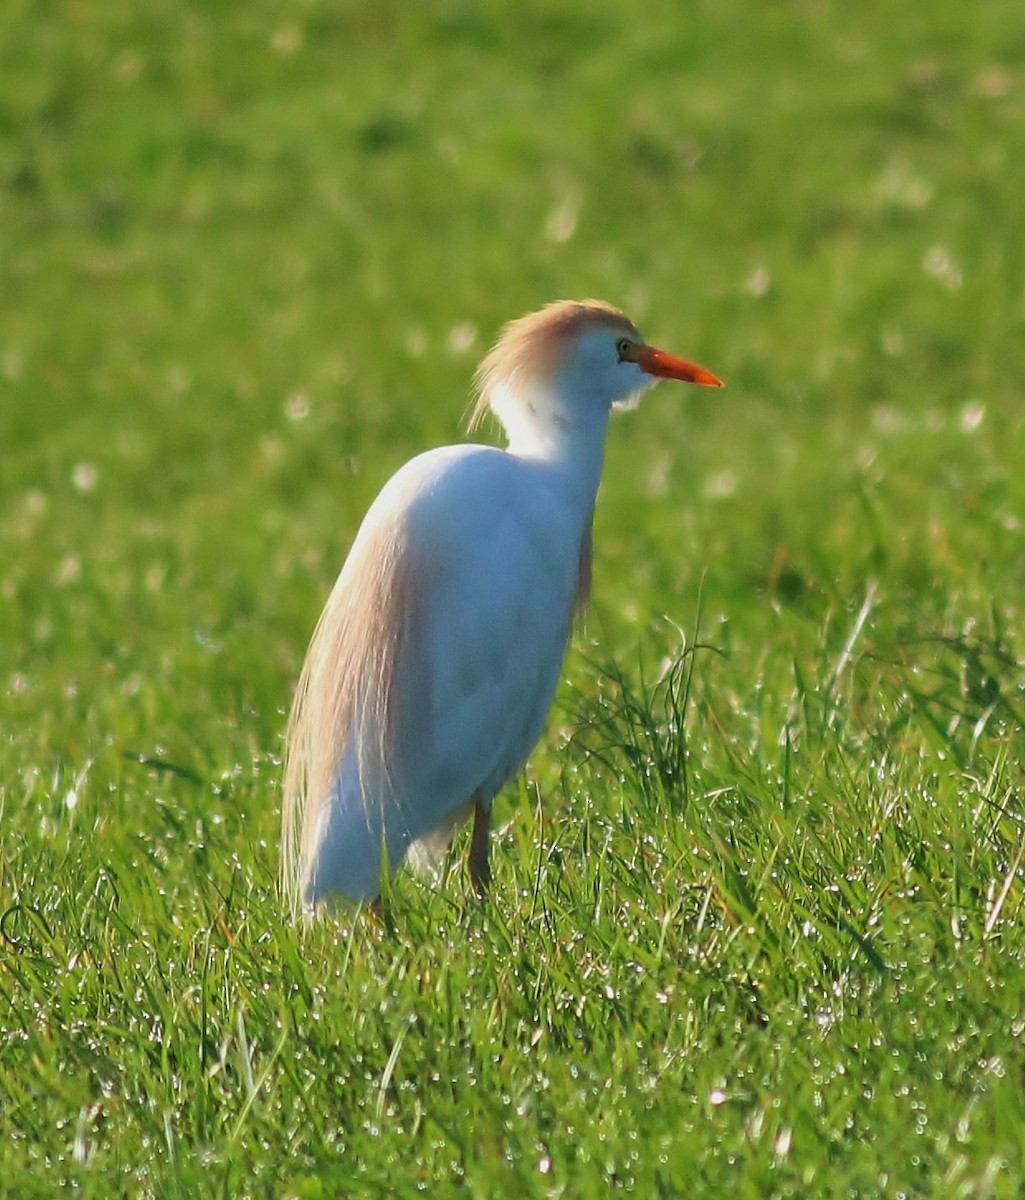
{"x":249,"y":257}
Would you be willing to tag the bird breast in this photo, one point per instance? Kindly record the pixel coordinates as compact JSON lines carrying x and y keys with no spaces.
{"x":492,"y":564}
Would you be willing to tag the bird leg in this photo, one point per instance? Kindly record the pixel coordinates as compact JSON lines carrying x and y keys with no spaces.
{"x":480,"y":870}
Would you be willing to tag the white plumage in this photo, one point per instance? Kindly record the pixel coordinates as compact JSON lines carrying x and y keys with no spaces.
{"x":433,"y":666}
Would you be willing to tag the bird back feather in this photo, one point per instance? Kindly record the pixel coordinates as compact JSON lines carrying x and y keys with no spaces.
{"x":345,"y":691}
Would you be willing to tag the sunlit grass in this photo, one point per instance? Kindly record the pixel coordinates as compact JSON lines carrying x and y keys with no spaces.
{"x":756,"y":924}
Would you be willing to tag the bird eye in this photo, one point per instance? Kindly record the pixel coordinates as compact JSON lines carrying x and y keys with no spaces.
{"x":623,"y":349}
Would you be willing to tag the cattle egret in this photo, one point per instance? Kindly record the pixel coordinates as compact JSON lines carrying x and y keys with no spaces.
{"x":431,"y":671}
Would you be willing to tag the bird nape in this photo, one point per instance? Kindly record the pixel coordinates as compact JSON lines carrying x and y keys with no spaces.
{"x":433,"y":665}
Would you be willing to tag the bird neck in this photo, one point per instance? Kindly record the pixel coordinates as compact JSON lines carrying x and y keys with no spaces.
{"x":573,"y":451}
{"x":565,"y":432}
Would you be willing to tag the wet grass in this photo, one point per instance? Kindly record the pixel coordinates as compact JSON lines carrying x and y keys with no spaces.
{"x":757,"y":920}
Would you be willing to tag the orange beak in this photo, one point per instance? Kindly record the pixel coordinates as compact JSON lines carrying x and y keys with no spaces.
{"x":669,"y":366}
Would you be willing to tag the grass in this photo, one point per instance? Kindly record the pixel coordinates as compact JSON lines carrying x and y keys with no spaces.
{"x":757,"y":919}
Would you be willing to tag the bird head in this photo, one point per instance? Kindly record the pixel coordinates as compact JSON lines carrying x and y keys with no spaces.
{"x":565,"y":367}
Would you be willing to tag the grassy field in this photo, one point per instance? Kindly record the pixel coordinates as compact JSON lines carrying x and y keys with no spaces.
{"x":757,"y":924}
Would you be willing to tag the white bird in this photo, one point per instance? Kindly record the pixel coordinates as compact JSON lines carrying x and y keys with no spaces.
{"x":433,"y":666}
